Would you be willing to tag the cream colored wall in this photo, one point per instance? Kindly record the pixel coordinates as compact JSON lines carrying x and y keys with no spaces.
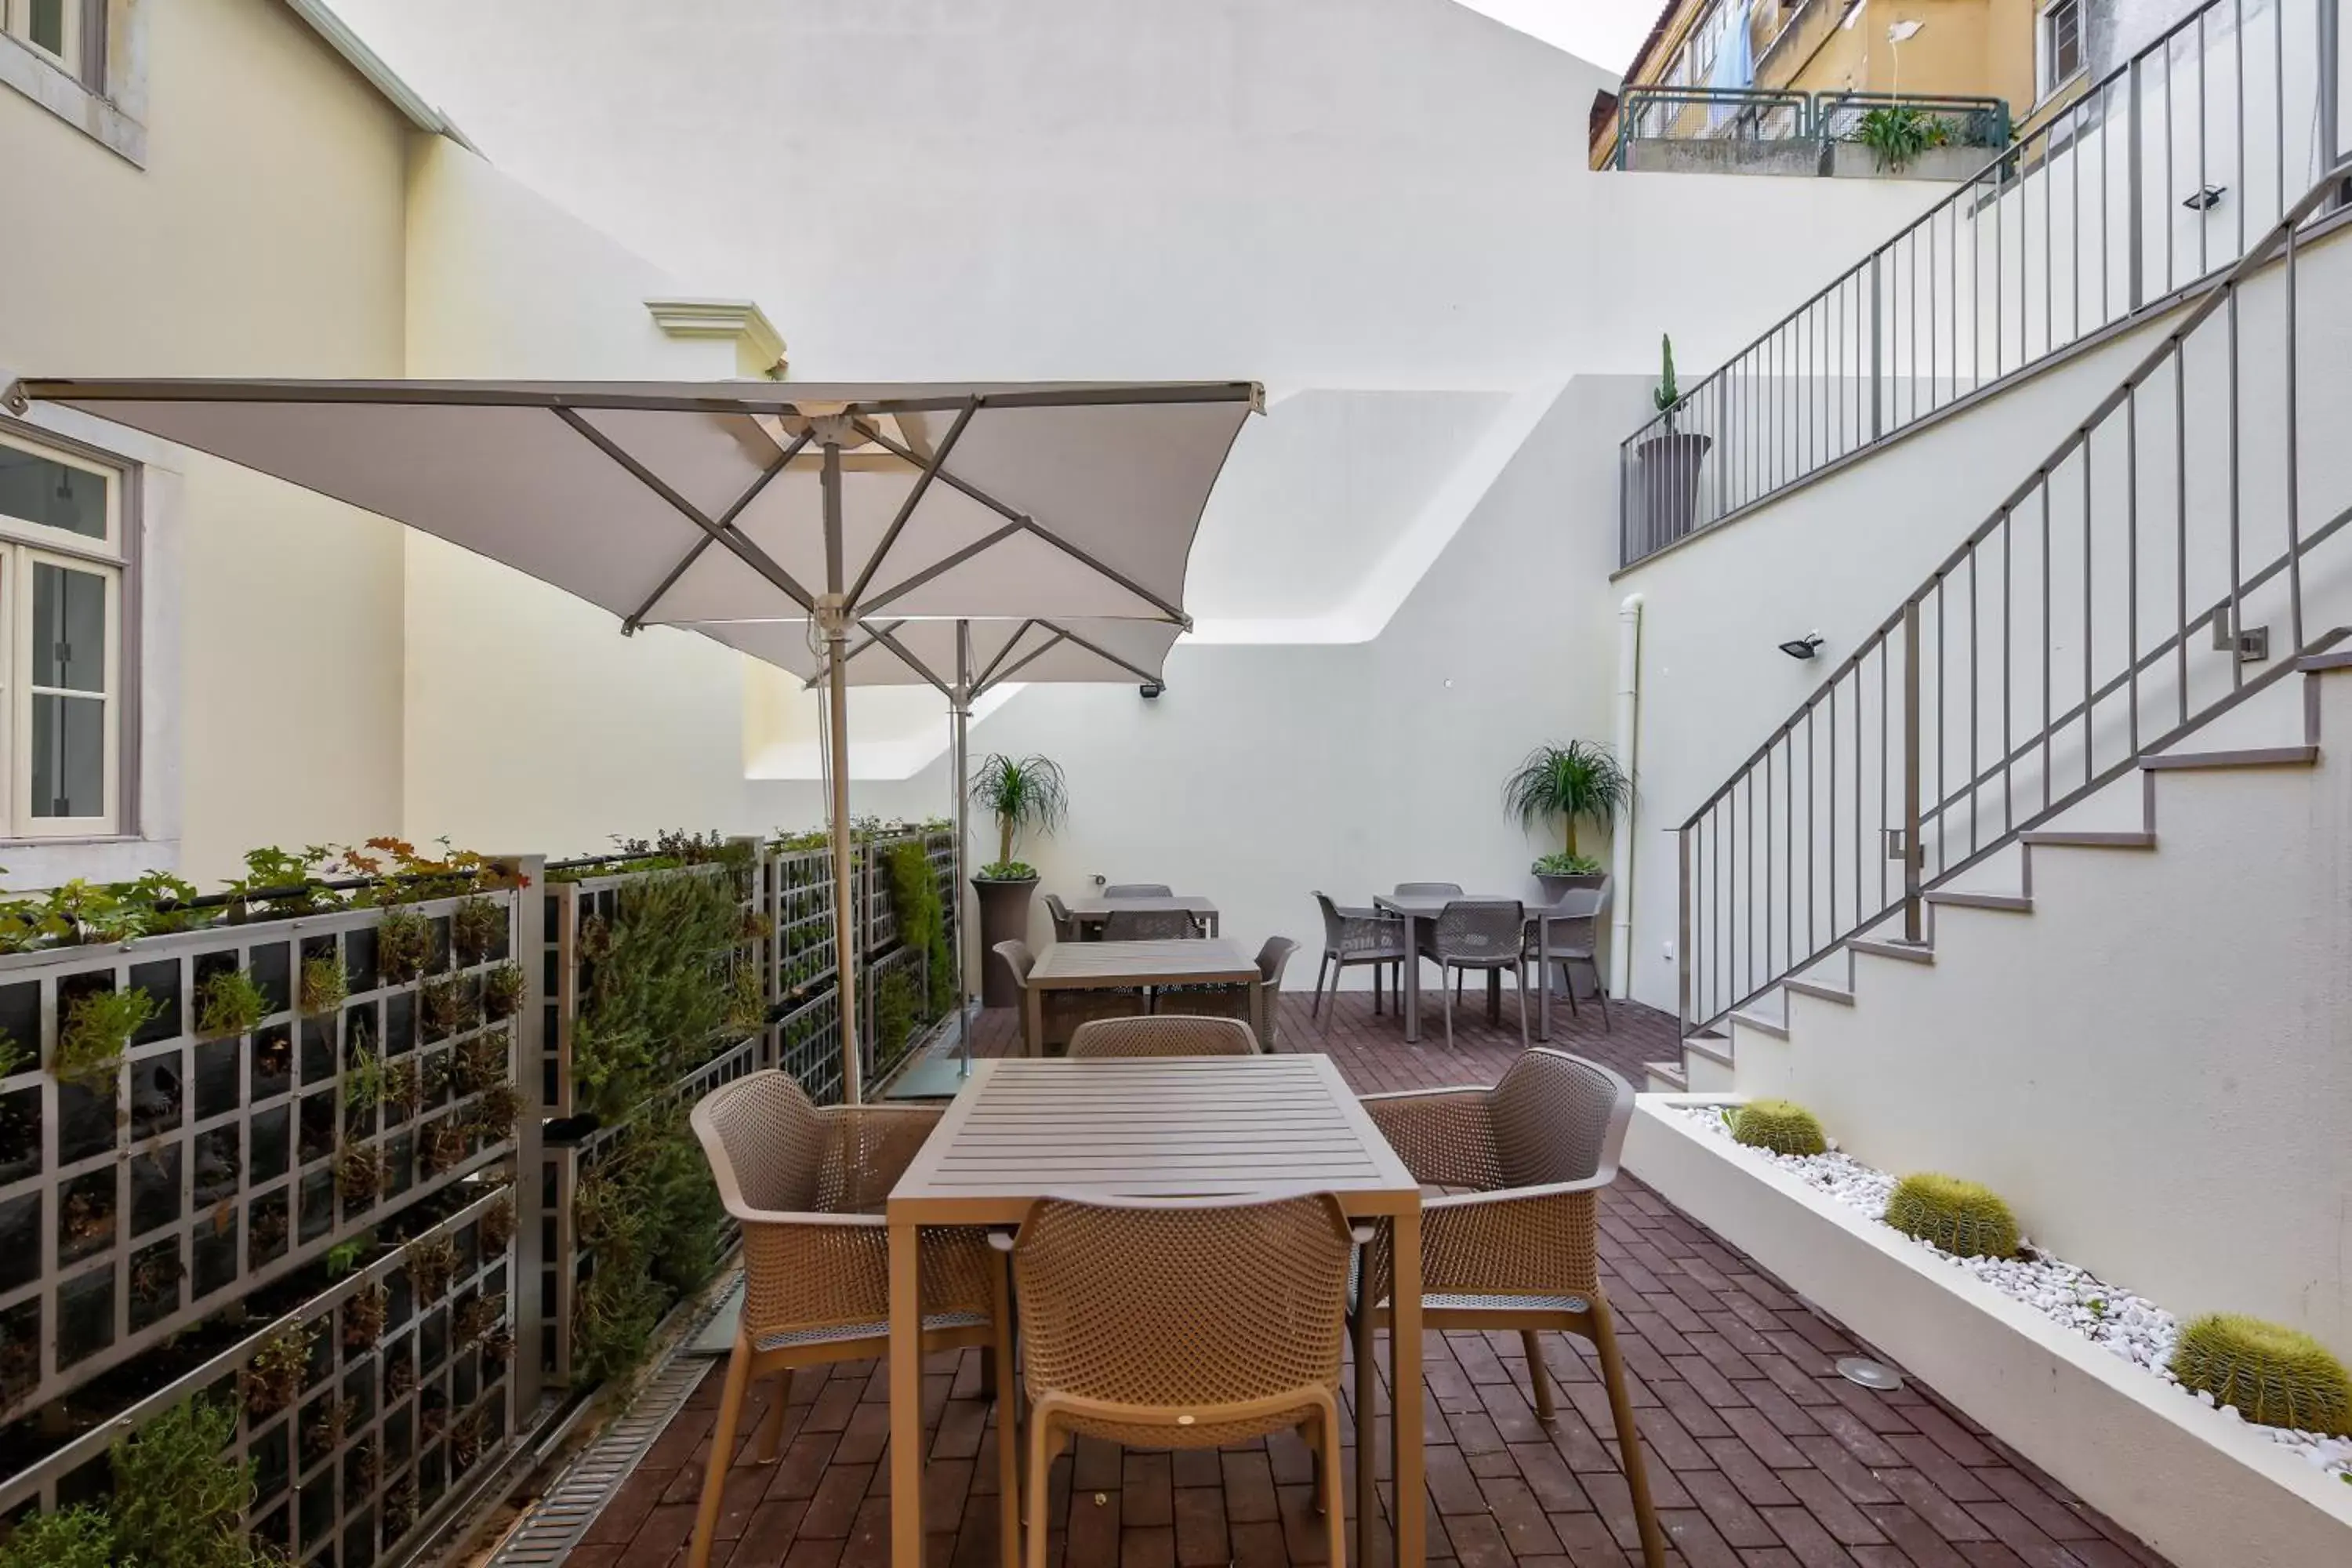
{"x":531,"y":722}
{"x":262,"y":237}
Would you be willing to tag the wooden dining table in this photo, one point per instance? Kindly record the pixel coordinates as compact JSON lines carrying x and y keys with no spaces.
{"x":1128,"y":965}
{"x":1092,"y":911}
{"x":1417,"y":910}
{"x":1245,"y":1127}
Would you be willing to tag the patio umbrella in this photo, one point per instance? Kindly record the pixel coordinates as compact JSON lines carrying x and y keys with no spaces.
{"x":719,"y":501}
{"x":963,"y":659}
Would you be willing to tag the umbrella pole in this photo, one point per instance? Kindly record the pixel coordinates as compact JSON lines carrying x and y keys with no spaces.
{"x":832,"y":618}
{"x":961,"y":707}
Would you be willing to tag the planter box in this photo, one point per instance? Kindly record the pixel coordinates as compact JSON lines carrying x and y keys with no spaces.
{"x":2200,"y":1489}
{"x":1853,"y":161}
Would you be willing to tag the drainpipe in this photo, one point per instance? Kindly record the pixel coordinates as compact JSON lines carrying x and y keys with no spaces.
{"x":1620,"y":856}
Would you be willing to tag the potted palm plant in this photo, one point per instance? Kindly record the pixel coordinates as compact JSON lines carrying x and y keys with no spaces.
{"x":1668,"y":463}
{"x":1580,"y":781}
{"x":1020,"y":793}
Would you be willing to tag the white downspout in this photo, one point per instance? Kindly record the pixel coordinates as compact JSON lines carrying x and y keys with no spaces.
{"x":1620,"y":858}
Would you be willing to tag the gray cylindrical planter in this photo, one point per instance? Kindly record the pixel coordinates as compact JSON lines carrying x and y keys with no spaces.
{"x":1003,"y":916}
{"x":1668,"y":484}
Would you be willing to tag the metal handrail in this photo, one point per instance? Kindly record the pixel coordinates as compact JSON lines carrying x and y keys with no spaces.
{"x":1984,"y":121}
{"x":2124,"y":707}
{"x":2138,"y":190}
{"x":1751,"y":110}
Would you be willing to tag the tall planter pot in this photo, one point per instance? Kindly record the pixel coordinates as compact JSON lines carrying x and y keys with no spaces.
{"x":1667,"y":477}
{"x":1003,"y":916}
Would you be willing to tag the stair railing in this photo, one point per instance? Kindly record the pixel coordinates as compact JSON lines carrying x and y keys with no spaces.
{"x":2060,"y":643}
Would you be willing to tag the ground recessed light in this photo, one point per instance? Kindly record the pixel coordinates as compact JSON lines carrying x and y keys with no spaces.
{"x":1869,"y":1373}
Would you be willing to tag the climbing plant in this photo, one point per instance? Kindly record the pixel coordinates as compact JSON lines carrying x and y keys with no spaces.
{"x":659,"y":991}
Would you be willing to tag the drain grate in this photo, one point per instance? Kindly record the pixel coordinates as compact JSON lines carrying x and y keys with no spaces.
{"x":557,"y":1522}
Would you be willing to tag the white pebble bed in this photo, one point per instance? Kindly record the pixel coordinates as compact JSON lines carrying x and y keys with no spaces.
{"x":2138,"y":1330}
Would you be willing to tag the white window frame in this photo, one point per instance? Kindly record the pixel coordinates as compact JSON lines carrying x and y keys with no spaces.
{"x":20,"y":27}
{"x":24,"y":545}
{"x":2046,"y":46}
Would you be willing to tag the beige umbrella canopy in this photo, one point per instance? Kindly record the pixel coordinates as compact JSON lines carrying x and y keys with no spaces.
{"x":871,"y":510}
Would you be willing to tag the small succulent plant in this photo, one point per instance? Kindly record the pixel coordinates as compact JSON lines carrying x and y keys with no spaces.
{"x":404,"y":945}
{"x":1780,"y":1126}
{"x":2274,"y":1375}
{"x":1963,"y":1218}
{"x":229,"y":1002}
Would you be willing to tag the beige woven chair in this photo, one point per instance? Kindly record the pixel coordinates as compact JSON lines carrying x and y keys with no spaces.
{"x":1516,"y":1243}
{"x":1064,"y":1011}
{"x":1163,"y":1034}
{"x":1183,"y":1323}
{"x":806,"y":1186}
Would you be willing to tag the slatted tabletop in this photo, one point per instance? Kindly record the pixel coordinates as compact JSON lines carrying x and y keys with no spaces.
{"x":1150,"y":1127}
{"x":1266,"y":1126}
{"x":1196,"y":961}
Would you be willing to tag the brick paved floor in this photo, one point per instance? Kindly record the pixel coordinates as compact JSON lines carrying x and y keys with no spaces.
{"x":1760,"y":1455}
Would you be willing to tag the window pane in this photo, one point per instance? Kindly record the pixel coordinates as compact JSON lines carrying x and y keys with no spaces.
{"x":68,"y":628}
{"x":39,"y":490}
{"x":48,"y":24}
{"x":69,"y":756}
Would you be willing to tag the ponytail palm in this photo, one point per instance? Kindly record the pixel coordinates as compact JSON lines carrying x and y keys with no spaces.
{"x":1020,"y":793}
{"x":1580,"y":780}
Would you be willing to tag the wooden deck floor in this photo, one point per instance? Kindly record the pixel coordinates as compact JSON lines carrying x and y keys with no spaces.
{"x":1761,"y":1456}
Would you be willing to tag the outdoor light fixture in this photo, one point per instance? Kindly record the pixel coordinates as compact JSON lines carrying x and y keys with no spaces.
{"x":2204,"y":198}
{"x":1151,"y":689}
{"x":1802,"y":647}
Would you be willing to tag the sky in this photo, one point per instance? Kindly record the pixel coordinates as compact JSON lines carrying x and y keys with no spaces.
{"x":1605,"y":31}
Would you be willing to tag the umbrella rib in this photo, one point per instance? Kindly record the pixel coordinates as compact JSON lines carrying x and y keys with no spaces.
{"x":1030,"y":524}
{"x":914,"y":499}
{"x":1044,"y":648}
{"x":726,"y":522}
{"x":1101,"y":652}
{"x":1004,"y":653}
{"x":750,"y":554}
{"x":889,"y":641}
{"x":944,"y":564}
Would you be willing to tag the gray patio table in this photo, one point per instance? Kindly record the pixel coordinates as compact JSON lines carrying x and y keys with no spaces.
{"x":1093,"y":911}
{"x":1417,"y":907}
{"x":1122,"y":965}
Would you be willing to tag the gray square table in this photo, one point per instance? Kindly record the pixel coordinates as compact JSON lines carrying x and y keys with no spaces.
{"x":1124,"y":966}
{"x":1416,"y":909}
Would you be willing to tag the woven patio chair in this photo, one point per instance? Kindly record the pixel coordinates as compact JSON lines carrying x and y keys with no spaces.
{"x":1516,"y":1243}
{"x":1172,"y":1035}
{"x":1065,"y":924}
{"x":1357,"y":936}
{"x":1483,"y":934}
{"x":1570,"y":939}
{"x":1233,"y":1001}
{"x":1062,"y":1012}
{"x":1183,"y":1323}
{"x":1139,"y":890}
{"x":806,"y":1187}
{"x":1150,"y":925}
{"x":1428,"y":889}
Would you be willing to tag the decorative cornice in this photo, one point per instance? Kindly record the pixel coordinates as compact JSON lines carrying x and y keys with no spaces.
{"x":757,"y":341}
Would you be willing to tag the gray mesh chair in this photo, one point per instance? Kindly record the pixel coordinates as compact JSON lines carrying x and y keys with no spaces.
{"x":1148,"y":925}
{"x":1163,"y":1036}
{"x":1429,"y":891}
{"x":1484,"y":934}
{"x":1233,"y":1001}
{"x":1356,"y":936}
{"x":1569,"y":940}
{"x":1139,"y":890}
{"x":1515,"y":1242}
{"x":1061,"y":1013}
{"x":1065,"y":924}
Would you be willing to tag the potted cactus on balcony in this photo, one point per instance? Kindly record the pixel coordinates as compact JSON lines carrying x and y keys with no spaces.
{"x":1666,"y":464}
{"x":1020,"y":793}
{"x":1579,"y":781}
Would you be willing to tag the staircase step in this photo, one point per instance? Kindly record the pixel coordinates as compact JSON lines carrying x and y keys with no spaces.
{"x":2014,"y":902}
{"x":1761,"y":1024}
{"x":2248,"y":757}
{"x":1820,"y":992}
{"x":1670,"y":1074}
{"x":2061,"y":838}
{"x":1908,"y":951}
{"x":1712,"y":1046}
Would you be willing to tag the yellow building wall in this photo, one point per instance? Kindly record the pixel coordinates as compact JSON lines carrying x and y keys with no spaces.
{"x":262,"y":237}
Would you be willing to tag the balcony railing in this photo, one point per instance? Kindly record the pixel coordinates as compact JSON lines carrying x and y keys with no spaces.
{"x":1764,"y":117}
{"x":2153,"y":179}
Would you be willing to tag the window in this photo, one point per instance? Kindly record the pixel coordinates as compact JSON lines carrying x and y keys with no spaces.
{"x":62,"y":563}
{"x":2061,"y":44}
{"x":52,"y":27}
